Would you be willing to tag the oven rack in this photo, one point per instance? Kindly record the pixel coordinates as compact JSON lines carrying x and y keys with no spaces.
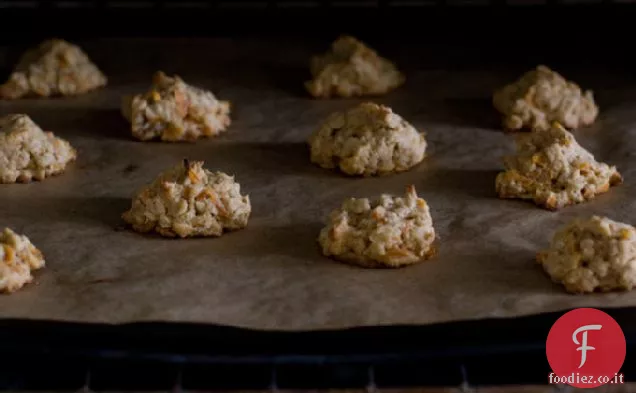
{"x":53,"y":356}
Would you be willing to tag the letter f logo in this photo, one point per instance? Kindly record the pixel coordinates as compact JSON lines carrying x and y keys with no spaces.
{"x":574,"y":350}
{"x":584,"y":347}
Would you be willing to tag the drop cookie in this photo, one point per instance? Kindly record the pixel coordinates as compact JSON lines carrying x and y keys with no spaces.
{"x":174,"y":111}
{"x":388,"y":232}
{"x":367,"y":140}
{"x":54,"y":68}
{"x":189,"y":201}
{"x":27,"y":153}
{"x":18,"y":258}
{"x":351,"y":69}
{"x":592,"y":254}
{"x":541,"y":97}
{"x":553,"y":170}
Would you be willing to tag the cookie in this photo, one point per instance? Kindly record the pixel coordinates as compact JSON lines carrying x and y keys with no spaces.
{"x":18,"y":258}
{"x":189,"y":201}
{"x":27,"y":153}
{"x":388,"y":232}
{"x":541,"y":97}
{"x":367,"y":140}
{"x":554,"y":171}
{"x":592,"y":254}
{"x":352,"y":69}
{"x":54,"y":68}
{"x":174,"y":111}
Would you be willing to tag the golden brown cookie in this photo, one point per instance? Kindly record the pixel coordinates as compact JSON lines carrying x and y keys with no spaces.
{"x":27,"y":153}
{"x":367,"y":140}
{"x":592,"y":254}
{"x":389,"y":231}
{"x":18,"y":258}
{"x":553,"y":170}
{"x":541,"y":97}
{"x":173,"y":111}
{"x":54,"y":68}
{"x":351,"y":69}
{"x":189,"y":201}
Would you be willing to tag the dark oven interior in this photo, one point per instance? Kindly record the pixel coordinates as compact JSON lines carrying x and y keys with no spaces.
{"x":435,"y":34}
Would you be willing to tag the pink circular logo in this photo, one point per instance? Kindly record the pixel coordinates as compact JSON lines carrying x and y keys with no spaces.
{"x":586,"y":349}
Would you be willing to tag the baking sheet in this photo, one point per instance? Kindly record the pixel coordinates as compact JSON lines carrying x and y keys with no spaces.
{"x":271,"y":275}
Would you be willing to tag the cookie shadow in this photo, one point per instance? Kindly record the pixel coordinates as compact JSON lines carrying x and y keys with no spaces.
{"x":290,"y":79}
{"x":513,"y":287}
{"x":92,"y":123}
{"x":296,"y":240}
{"x":106,"y":211}
{"x":476,"y":183}
{"x":509,"y":274}
{"x":291,"y":158}
{"x":287,"y":158}
{"x":451,"y":112}
{"x":470,"y":112}
{"x":266,"y":77}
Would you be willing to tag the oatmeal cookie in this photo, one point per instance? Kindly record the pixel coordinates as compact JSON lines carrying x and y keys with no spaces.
{"x":18,"y":258}
{"x":27,"y":153}
{"x":541,"y":97}
{"x":173,"y":111}
{"x":554,"y":171}
{"x":352,"y":69}
{"x":592,"y":254}
{"x":386,"y":232}
{"x":367,"y":140}
{"x":54,"y":68}
{"x":189,"y":201}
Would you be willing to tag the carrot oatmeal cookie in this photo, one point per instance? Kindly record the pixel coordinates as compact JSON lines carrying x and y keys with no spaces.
{"x":27,"y":153}
{"x":54,"y":68}
{"x":541,"y":97}
{"x":189,"y":201}
{"x":554,"y":171}
{"x":173,"y":111}
{"x":387,"y":232}
{"x":592,"y":254}
{"x":367,"y":140}
{"x":18,"y":257}
{"x":352,"y":69}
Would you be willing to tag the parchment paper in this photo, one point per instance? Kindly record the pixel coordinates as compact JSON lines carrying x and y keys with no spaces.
{"x":271,"y":275}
